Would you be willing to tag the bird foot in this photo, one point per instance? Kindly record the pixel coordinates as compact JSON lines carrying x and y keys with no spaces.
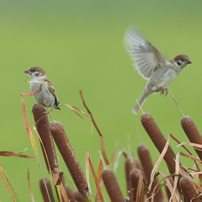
{"x":164,"y":91}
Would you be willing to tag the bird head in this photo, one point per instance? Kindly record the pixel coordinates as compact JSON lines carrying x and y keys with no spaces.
{"x":35,"y":72}
{"x":182,"y":60}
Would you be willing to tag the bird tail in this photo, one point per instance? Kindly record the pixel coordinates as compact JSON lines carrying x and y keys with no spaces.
{"x":141,"y":101}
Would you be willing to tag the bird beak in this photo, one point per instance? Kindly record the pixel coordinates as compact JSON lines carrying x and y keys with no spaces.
{"x":27,"y":71}
{"x":188,"y":61}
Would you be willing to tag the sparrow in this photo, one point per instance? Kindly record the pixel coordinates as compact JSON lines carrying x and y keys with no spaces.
{"x":151,"y":65}
{"x":47,"y":96}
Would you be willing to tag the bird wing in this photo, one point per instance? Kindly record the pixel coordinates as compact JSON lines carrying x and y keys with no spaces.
{"x":146,"y":57}
{"x":52,"y":90}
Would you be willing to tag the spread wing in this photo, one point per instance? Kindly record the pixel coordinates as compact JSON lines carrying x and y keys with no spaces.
{"x":146,"y":57}
{"x":52,"y":90}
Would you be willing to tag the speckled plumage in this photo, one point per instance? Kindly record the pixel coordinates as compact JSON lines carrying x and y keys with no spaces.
{"x":151,"y":65}
{"x":47,"y":96}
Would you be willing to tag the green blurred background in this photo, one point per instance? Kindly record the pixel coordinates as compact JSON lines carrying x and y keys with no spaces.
{"x":80,"y":45}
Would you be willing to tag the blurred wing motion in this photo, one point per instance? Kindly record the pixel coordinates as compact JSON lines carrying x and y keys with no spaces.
{"x":146,"y":57}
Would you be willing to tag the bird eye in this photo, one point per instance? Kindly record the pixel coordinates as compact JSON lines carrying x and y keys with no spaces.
{"x":182,"y":59}
{"x":33,"y":70}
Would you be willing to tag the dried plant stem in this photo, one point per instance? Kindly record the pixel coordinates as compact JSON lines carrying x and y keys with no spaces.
{"x":112,"y":186}
{"x":43,"y":129}
{"x":169,"y":184}
{"x":177,"y":104}
{"x":188,"y":190}
{"x":29,"y":184}
{"x":47,"y":197}
{"x":69,"y":157}
{"x":139,"y":106}
{"x":98,"y":130}
{"x":192,"y":132}
{"x":159,"y":140}
{"x":147,"y":165}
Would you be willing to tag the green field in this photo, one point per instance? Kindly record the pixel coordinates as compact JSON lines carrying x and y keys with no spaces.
{"x":80,"y":45}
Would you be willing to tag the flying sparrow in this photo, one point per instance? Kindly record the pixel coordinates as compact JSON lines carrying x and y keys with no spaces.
{"x":153,"y":66}
{"x":47,"y":96}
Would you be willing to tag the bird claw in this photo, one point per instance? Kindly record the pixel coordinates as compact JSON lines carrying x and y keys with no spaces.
{"x":164,"y":91}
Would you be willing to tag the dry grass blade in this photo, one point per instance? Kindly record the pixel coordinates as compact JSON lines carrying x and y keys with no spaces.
{"x":113,"y":154}
{"x":87,"y":171}
{"x":174,"y":138}
{"x":99,"y":178}
{"x":56,"y":179}
{"x":96,"y":127}
{"x":60,"y":178}
{"x":139,"y":106}
{"x":29,"y":185}
{"x":6,"y":182}
{"x":197,"y":166}
{"x":33,"y":92}
{"x":170,"y":187}
{"x":28,"y":128}
{"x":190,"y":156}
{"x":177,"y":172}
{"x":13,"y":154}
{"x":177,"y":104}
{"x":73,"y":109}
{"x":194,"y":145}
{"x":80,"y":110}
{"x":100,"y":168}
{"x":140,"y":192}
{"x":158,"y":163}
{"x":119,"y":154}
{"x":95,"y":177}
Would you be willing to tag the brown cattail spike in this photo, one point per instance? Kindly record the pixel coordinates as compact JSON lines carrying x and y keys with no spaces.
{"x":188,"y":190}
{"x":79,"y":198}
{"x":49,"y":195}
{"x":129,"y":165}
{"x":69,"y":157}
{"x":43,"y":129}
{"x":112,"y":186}
{"x":136,"y":178}
{"x":70,"y":193}
{"x":147,"y":165}
{"x":192,"y":132}
{"x":159,"y":140}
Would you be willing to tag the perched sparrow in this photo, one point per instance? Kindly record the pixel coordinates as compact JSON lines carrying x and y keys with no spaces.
{"x":47,"y":96}
{"x":153,"y":66}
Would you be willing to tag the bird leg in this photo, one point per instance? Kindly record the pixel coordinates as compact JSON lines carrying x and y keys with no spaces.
{"x":50,"y":114}
{"x":49,"y":111}
{"x":164,"y":90}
